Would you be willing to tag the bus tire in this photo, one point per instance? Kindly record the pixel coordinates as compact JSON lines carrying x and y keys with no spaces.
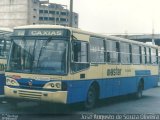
{"x":139,"y":92}
{"x":91,"y":98}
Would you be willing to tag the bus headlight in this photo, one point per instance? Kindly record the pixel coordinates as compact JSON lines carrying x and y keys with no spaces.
{"x":52,"y":85}
{"x":12,"y":82}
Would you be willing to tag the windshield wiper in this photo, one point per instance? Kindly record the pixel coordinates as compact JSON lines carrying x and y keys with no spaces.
{"x":33,"y":55}
{"x":43,"y":46}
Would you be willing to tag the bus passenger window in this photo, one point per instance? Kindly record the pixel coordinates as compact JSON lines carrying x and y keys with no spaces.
{"x":112,"y":51}
{"x":79,"y":56}
{"x":154,"y":56}
{"x":148,"y":55}
{"x":97,"y":50}
{"x":143,"y":51}
{"x":140,"y":52}
{"x":136,"y":55}
{"x":125,"y":53}
{"x":130,"y":52}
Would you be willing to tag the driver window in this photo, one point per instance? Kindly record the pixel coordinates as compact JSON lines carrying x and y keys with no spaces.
{"x":79,"y":56}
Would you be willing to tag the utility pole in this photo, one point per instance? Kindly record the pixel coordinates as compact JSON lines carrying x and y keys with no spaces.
{"x":153,"y":42}
{"x":71,"y":11}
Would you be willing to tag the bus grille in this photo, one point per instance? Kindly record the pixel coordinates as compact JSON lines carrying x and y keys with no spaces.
{"x":30,"y":94}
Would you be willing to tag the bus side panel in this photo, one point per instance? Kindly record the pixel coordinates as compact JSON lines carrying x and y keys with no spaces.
{"x":109,"y":88}
{"x":150,"y":82}
{"x":128,"y":85}
{"x":118,"y":86}
{"x":2,"y":83}
{"x":77,"y":90}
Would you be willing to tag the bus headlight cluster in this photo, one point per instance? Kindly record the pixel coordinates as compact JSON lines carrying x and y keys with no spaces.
{"x":12,"y":82}
{"x":53,"y":85}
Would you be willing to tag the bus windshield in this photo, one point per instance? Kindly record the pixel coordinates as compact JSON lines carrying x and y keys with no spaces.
{"x":46,"y":56}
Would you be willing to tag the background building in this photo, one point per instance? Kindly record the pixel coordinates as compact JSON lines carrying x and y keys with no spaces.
{"x":26,"y":12}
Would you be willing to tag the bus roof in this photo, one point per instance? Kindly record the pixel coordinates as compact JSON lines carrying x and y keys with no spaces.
{"x":5,"y":32}
{"x":77,"y":30}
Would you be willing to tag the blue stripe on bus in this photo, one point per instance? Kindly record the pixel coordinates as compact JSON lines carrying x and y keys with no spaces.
{"x":142,"y":72}
{"x":109,"y":87}
{"x":2,"y":83}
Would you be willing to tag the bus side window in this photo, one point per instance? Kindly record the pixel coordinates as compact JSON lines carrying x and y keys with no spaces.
{"x":157,"y":56}
{"x":136,"y":55}
{"x":79,"y":56}
{"x":97,"y":50}
{"x":112,"y":52}
{"x":154,"y":56}
{"x":130,"y":52}
{"x":125,"y":53}
{"x":118,"y":51}
{"x":140,"y":52}
{"x":148,"y":55}
{"x":143,"y":55}
{"x":145,"y":52}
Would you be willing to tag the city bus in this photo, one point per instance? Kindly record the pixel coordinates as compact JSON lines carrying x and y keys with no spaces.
{"x":68,"y":65}
{"x":5,"y":42}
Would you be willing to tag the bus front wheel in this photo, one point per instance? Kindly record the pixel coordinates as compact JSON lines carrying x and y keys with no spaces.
{"x":91,"y":98}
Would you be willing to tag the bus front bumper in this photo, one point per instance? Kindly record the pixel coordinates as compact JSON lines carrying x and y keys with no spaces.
{"x":55,"y":97}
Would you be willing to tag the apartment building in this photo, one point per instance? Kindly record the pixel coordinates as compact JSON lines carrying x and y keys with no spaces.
{"x":27,"y":12}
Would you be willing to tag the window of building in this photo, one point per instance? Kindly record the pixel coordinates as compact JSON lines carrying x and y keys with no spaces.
{"x":40,"y":18}
{"x":63,"y":13}
{"x":62,"y":19}
{"x":97,"y":50}
{"x":34,"y":9}
{"x":35,"y":1}
{"x":51,"y":18}
{"x":112,"y":51}
{"x":57,"y":19}
{"x":45,"y":18}
{"x":45,"y":11}
{"x":136,"y":54}
{"x":40,"y":11}
{"x":76,"y":17}
{"x":52,"y":12}
{"x":57,"y":12}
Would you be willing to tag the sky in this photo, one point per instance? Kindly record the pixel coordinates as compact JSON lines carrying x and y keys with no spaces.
{"x":117,"y":16}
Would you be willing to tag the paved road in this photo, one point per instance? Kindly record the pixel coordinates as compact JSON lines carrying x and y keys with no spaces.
{"x":149,"y":104}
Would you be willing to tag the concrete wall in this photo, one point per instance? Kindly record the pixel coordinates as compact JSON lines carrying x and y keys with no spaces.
{"x":13,"y":13}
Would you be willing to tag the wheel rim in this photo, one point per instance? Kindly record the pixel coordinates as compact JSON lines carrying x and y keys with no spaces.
{"x":91,"y":98}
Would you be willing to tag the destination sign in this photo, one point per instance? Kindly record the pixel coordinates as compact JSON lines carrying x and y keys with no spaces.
{"x":45,"y":32}
{"x":39,"y":32}
{"x":19,"y":32}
